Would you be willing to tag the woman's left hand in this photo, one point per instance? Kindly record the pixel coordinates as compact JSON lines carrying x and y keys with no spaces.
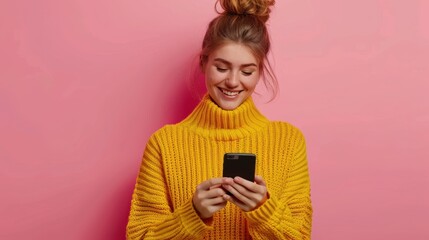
{"x":245,"y":194}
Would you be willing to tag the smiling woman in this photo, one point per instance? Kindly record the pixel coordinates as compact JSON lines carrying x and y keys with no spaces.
{"x":231,"y":74}
{"x":180,"y":192}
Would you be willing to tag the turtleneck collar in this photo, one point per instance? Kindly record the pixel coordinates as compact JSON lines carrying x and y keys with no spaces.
{"x":209,"y":120}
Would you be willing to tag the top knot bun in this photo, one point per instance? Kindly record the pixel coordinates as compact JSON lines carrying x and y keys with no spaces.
{"x":259,"y":8}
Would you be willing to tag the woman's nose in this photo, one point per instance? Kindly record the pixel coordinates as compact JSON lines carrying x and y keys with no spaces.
{"x":233,"y":80}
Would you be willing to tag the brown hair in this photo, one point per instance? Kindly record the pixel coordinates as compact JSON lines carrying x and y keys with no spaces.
{"x":243,"y":21}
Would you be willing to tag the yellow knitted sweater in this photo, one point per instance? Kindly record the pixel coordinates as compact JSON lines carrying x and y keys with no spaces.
{"x":179,"y":157}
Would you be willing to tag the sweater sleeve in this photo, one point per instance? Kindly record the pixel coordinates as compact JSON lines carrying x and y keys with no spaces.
{"x":287,"y":216}
{"x":152,"y":215}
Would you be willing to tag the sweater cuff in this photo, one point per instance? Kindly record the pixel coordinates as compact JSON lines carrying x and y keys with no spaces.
{"x":190,"y":220}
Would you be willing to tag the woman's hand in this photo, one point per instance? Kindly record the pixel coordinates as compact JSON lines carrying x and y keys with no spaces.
{"x":209,"y":197}
{"x":245,"y":194}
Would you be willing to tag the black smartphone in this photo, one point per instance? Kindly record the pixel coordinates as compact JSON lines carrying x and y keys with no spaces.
{"x":239,"y":164}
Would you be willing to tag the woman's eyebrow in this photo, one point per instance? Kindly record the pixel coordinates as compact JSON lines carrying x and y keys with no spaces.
{"x":229,"y":64}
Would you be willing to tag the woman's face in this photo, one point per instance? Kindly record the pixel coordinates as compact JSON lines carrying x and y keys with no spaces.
{"x":231,"y":75}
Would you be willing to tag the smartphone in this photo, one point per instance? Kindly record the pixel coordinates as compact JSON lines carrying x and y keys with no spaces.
{"x":239,"y":164}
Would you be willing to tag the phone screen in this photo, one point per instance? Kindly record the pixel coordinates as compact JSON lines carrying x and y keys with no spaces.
{"x":239,"y":164}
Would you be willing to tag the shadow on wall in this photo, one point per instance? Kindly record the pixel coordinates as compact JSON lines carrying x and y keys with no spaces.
{"x":187,"y":96}
{"x":117,"y":228}
{"x":112,"y":217}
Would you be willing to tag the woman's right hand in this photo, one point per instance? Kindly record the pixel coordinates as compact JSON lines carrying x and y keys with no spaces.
{"x":208,"y":197}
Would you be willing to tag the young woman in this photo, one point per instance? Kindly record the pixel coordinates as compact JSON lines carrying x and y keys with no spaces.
{"x":180,"y":193}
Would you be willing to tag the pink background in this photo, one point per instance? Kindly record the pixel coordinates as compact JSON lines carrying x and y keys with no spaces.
{"x":84,"y":83}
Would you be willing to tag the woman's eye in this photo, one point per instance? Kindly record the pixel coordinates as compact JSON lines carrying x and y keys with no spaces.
{"x":221,"y":69}
{"x":247,"y":73}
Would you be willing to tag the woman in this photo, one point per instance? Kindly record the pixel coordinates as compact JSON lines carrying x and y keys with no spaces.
{"x":180,"y":193}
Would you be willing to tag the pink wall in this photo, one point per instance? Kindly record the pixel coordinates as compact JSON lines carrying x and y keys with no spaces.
{"x":84,"y":83}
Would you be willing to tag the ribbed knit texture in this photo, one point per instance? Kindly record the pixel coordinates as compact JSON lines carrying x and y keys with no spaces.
{"x":179,"y":157}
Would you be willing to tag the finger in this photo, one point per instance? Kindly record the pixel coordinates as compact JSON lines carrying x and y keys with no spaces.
{"x":206,"y":185}
{"x":214,"y":201}
{"x":240,"y":193}
{"x":251,"y":186}
{"x":236,"y":187}
{"x":216,"y":192}
{"x":215,"y":186}
{"x":236,"y":202}
{"x":208,"y":194}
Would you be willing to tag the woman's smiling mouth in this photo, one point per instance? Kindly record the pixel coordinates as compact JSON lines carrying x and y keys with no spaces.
{"x":230,"y":93}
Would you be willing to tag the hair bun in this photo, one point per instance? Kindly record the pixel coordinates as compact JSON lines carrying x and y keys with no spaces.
{"x":259,"y":8}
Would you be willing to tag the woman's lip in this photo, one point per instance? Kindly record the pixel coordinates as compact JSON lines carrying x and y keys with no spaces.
{"x":234,"y":94}
{"x":234,"y":91}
